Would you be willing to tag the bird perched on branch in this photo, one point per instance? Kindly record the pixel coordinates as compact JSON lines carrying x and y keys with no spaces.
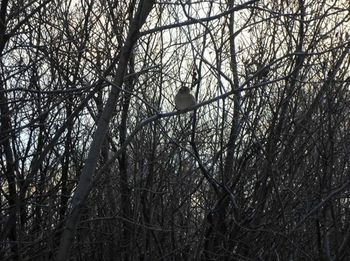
{"x":184,"y":99}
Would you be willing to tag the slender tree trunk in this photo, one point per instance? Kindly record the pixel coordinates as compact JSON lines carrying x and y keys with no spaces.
{"x":215,"y":238}
{"x":85,"y":180}
{"x":126,"y":208}
{"x":65,"y":168}
{"x":5,"y":146}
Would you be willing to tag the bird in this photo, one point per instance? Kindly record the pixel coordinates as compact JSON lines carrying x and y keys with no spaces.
{"x":184,"y":99}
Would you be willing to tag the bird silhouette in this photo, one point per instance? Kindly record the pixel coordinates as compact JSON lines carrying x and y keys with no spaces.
{"x":184,"y":99}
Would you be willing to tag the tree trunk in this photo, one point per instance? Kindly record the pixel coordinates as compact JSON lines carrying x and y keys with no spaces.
{"x":85,"y":180}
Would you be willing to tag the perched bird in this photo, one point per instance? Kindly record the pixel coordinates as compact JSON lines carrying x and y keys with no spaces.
{"x":184,"y":99}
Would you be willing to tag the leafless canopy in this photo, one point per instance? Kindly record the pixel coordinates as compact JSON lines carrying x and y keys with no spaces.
{"x":97,"y":164}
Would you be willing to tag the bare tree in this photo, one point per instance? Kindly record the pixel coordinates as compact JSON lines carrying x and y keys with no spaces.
{"x":97,"y":164}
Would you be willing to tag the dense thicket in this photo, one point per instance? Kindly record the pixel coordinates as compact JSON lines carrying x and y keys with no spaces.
{"x":259,"y":170}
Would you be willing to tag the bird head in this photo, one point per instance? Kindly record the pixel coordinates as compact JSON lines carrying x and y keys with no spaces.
{"x":184,"y":90}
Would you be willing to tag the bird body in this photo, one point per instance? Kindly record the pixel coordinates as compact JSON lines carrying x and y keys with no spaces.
{"x":184,"y":99}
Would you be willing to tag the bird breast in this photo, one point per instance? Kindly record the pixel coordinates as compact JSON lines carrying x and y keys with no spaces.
{"x":184,"y":100}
